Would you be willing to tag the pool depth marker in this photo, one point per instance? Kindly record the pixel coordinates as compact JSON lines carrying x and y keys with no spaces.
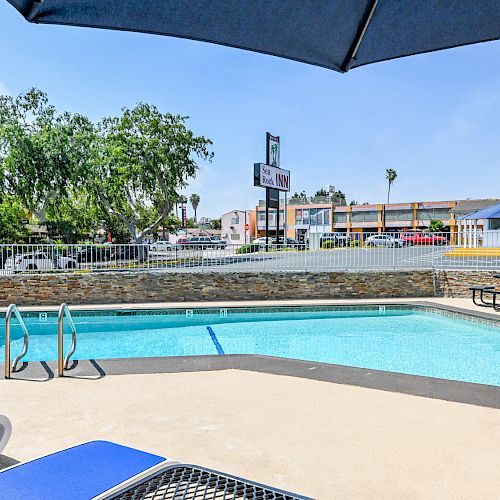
{"x":215,"y":340}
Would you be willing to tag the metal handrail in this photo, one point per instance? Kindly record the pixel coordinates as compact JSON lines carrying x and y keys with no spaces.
{"x":13,"y":310}
{"x":62,"y":364}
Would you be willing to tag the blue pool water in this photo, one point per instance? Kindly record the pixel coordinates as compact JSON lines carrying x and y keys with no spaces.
{"x":407,"y":341}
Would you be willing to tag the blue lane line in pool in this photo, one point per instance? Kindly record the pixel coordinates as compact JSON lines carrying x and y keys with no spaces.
{"x":215,"y":340}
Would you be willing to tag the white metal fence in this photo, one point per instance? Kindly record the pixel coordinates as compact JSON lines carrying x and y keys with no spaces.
{"x":349,"y":252}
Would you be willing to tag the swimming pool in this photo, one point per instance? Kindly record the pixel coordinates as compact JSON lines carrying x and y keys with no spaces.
{"x":413,"y":340}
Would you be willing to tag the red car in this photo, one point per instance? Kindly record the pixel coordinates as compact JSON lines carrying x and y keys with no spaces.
{"x":415,"y":238}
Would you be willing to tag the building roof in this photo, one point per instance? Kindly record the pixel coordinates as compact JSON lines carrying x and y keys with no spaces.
{"x":465,"y":207}
{"x":491,"y":212}
{"x":236,"y":210}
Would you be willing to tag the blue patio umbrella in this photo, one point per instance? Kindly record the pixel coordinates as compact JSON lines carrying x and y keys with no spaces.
{"x":335,"y":34}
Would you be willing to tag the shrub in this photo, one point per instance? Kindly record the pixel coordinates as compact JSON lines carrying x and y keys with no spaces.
{"x":328,"y":244}
{"x":355,"y":243}
{"x":252,"y":248}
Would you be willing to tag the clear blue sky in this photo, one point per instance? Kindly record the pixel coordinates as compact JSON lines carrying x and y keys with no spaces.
{"x":434,"y":118}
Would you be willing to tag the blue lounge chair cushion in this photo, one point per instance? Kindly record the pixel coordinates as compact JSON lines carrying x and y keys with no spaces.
{"x":78,"y":473}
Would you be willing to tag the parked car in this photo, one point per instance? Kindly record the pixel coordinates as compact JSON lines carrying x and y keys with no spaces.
{"x":417,"y":238}
{"x":206,"y":242}
{"x":39,"y":261}
{"x":162,"y":246}
{"x":384,"y":240}
{"x":291,"y":242}
{"x":182,"y":243}
{"x":92,"y":253}
{"x":340,"y":239}
{"x":130,"y":252}
{"x":221,"y":243}
{"x":261,"y":240}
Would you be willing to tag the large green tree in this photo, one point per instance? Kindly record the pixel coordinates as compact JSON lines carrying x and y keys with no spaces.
{"x":390,"y":175}
{"x":139,"y":161}
{"x":73,"y":217}
{"x":13,"y":218}
{"x":195,"y":201}
{"x":39,"y":150}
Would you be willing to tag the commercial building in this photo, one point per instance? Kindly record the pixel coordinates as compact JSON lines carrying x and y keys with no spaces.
{"x":308,"y":216}
{"x":238,"y":226}
{"x":480,"y":228}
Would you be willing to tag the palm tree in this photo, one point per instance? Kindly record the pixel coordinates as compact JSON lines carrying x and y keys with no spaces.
{"x":390,"y":175}
{"x":195,"y":201}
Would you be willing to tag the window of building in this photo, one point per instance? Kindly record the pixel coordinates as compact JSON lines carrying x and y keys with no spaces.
{"x":399,"y":215}
{"x":313,"y":216}
{"x":235,"y":236}
{"x":235,"y":220}
{"x":433,"y":213}
{"x":298,"y":216}
{"x":340,"y":216}
{"x":368,"y":216}
{"x":327,"y":216}
{"x":494,"y":223}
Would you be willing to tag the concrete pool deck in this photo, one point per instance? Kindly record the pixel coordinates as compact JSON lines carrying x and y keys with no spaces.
{"x":316,"y":438}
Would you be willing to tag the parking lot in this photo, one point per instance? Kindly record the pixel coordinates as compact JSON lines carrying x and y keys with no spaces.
{"x":413,"y":257}
{"x":275,"y":259}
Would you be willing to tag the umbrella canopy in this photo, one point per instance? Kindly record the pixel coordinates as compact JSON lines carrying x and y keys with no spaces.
{"x":336,"y":34}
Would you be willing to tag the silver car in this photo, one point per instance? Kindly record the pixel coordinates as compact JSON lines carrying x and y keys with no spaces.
{"x":162,"y":246}
{"x":384,"y":240}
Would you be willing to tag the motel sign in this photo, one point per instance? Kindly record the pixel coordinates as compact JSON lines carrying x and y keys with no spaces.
{"x":271,"y":177}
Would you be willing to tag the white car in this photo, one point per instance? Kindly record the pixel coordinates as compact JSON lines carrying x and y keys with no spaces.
{"x":384,"y":240}
{"x":162,"y":246}
{"x":262,"y":240}
{"x":39,"y":261}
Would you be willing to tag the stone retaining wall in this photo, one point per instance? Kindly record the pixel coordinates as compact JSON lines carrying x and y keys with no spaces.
{"x":123,"y":287}
{"x":456,"y":283}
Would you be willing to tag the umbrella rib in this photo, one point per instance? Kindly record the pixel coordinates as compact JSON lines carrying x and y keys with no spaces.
{"x":351,"y":55}
{"x":32,"y":11}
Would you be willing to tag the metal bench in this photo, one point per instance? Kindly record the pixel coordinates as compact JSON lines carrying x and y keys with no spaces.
{"x":494,"y":303}
{"x":481,"y":290}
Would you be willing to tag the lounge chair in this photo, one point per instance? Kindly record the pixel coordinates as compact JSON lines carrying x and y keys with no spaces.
{"x":81,"y":472}
{"x":5,"y":432}
{"x":102,"y":470}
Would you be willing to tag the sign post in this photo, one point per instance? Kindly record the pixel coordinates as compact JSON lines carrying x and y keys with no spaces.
{"x":270,"y":176}
{"x":273,"y":159}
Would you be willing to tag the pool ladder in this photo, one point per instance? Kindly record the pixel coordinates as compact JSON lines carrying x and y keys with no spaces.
{"x":62,"y":362}
{"x":13,"y":310}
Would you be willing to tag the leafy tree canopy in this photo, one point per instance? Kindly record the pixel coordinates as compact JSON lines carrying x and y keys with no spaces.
{"x":74,"y":175}
{"x":216,"y":224}
{"x":436,"y":226}
{"x":12,"y":221}
{"x":194,"y":199}
{"x":38,"y":149}
{"x":140,"y":161}
{"x":321,"y":192}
